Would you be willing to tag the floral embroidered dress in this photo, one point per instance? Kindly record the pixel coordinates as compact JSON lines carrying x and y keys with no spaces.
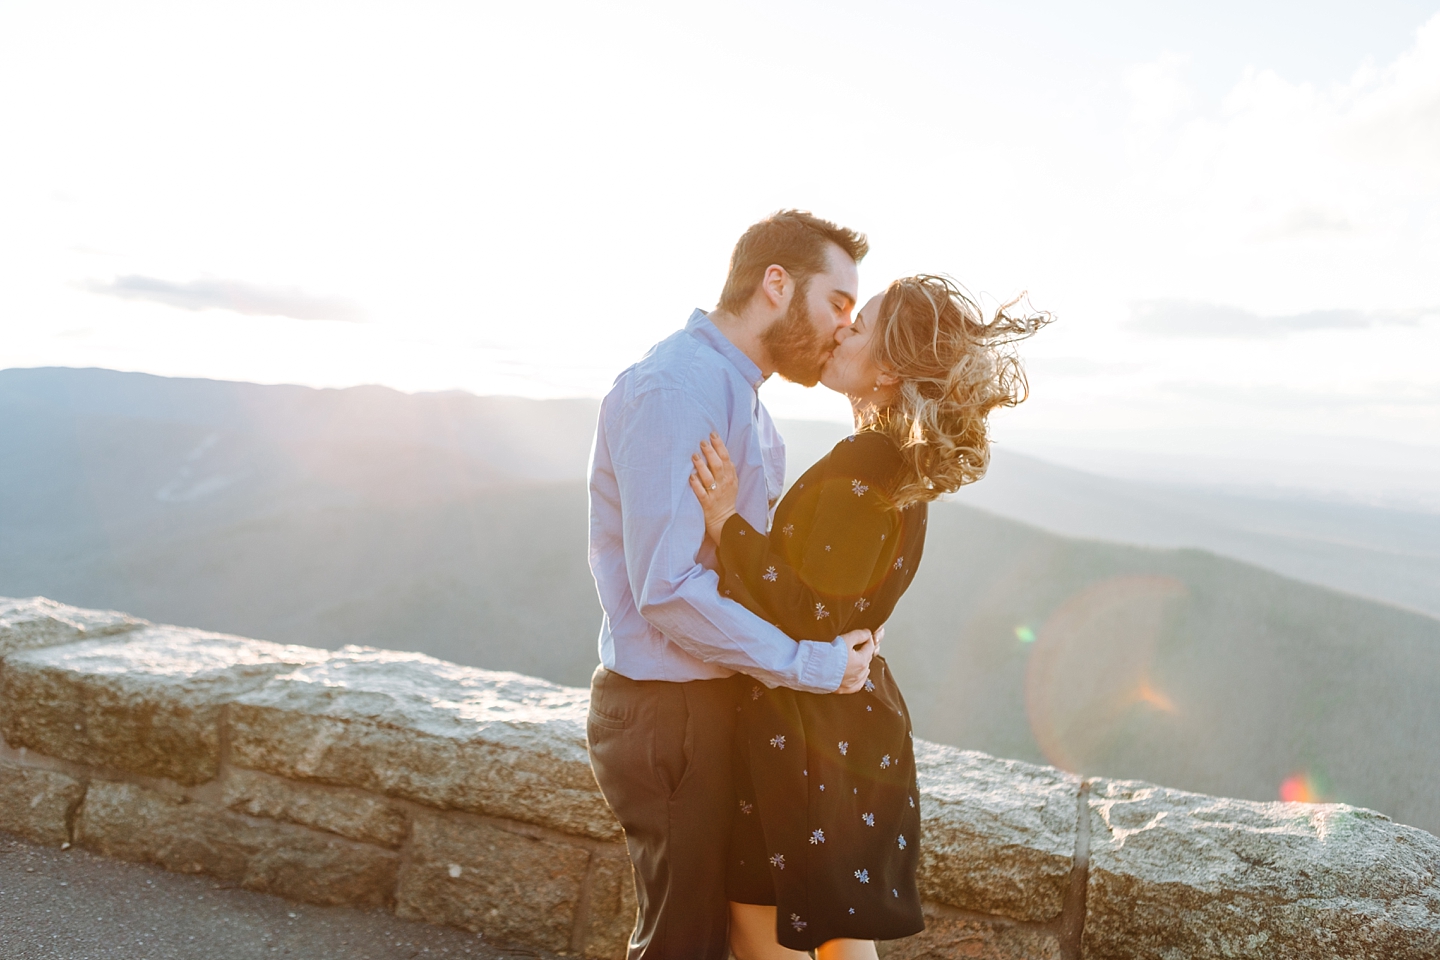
{"x":828,"y":825}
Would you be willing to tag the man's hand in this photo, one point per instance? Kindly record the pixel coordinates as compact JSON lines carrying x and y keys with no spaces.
{"x":857,"y":664}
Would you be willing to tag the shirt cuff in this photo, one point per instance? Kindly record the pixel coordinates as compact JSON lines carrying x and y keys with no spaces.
{"x":824,"y":666}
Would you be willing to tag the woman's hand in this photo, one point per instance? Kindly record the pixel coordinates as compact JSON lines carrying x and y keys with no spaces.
{"x":715,"y":484}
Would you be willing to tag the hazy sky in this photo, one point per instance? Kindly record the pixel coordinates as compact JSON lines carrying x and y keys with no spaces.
{"x":1234,"y":208}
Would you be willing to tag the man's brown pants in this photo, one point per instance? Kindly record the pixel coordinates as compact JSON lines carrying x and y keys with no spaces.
{"x":661,"y":754}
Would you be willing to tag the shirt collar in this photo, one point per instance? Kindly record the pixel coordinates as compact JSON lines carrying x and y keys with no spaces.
{"x":703,"y":329}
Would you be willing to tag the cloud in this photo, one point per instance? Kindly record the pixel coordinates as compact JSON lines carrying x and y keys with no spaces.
{"x":1306,"y":221}
{"x":1351,"y":166}
{"x":237,"y":296}
{"x":1279,"y":396}
{"x":1194,"y":319}
{"x":1158,"y":89}
{"x":1082,"y":367}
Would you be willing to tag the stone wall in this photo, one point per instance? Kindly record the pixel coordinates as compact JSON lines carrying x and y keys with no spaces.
{"x":463,"y":796}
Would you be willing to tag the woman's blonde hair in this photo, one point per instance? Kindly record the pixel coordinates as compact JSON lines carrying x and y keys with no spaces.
{"x":954,"y":368}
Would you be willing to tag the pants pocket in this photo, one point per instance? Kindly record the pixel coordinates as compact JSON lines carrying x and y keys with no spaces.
{"x":610,"y":708}
{"x":606,"y":721}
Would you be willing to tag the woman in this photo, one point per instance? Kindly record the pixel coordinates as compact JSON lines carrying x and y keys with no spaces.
{"x":825,"y":843}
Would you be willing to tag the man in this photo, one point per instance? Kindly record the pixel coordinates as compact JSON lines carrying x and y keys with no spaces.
{"x":662,"y":710}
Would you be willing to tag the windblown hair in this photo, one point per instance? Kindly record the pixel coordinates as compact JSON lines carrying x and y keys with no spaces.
{"x":954,"y":368}
{"x":793,"y":239}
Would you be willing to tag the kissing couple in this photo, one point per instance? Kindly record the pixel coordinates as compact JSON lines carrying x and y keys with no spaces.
{"x":743,"y":728}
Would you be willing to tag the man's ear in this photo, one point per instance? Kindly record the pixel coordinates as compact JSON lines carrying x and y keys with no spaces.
{"x":776,"y":284}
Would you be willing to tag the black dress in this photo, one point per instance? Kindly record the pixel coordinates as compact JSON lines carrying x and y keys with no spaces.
{"x":828,"y":828}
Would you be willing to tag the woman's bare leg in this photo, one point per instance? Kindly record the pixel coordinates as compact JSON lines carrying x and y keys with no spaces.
{"x":752,"y":934}
{"x":847,"y":950}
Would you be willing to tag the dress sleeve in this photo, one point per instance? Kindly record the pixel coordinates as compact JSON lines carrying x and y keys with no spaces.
{"x":817,"y":589}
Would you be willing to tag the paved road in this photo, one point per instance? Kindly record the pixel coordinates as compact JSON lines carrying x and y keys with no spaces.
{"x":73,"y":905}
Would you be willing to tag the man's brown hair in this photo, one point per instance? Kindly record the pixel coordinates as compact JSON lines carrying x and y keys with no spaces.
{"x":793,"y":239}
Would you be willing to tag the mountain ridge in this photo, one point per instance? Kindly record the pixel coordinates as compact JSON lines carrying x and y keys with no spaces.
{"x":1204,"y":672}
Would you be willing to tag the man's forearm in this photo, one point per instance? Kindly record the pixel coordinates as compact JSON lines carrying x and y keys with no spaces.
{"x":716,"y":630}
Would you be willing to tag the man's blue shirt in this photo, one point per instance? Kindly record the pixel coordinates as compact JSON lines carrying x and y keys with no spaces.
{"x":664,"y":616}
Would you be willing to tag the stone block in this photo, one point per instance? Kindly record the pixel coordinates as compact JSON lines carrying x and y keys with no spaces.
{"x":613,"y":909}
{"x":949,"y":937}
{"x":407,"y":725}
{"x":133,"y":823}
{"x":350,"y":813}
{"x":471,"y":874}
{"x":1176,"y":874}
{"x":38,"y":622}
{"x":997,"y":836}
{"x":148,"y":702}
{"x":36,"y":803}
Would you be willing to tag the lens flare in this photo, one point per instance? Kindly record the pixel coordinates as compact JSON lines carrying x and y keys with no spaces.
{"x":1089,"y":679}
{"x":1299,"y":788}
{"x":1024,"y":634}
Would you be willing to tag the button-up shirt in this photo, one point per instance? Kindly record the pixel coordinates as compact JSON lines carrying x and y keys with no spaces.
{"x":665,"y":618}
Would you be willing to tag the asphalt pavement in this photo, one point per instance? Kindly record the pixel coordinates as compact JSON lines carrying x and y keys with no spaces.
{"x":73,"y":905}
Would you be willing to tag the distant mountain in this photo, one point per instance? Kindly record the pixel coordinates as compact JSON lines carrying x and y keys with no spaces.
{"x":250,"y":449}
{"x":1174,"y":666}
{"x":456,"y":525}
{"x":1390,"y":555}
{"x":1384,"y":554}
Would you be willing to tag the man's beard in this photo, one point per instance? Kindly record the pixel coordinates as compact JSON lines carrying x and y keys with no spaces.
{"x":795,"y":348}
